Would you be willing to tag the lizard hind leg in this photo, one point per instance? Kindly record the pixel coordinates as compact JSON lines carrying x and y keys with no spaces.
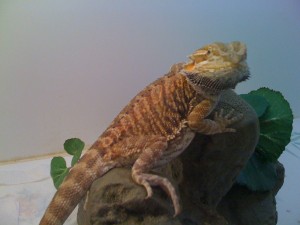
{"x":148,"y":160}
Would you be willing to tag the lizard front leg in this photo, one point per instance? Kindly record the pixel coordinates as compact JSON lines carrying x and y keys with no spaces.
{"x":148,"y":159}
{"x":197,"y":122}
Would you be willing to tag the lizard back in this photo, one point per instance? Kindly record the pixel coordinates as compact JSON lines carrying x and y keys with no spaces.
{"x":159,"y":109}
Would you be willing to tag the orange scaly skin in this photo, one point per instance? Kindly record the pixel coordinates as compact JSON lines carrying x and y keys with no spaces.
{"x":157,"y":125}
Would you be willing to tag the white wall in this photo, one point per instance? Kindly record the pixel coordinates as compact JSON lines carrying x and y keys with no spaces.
{"x":68,"y":67}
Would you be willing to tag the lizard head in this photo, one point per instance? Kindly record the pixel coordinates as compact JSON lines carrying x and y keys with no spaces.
{"x":217,"y":66}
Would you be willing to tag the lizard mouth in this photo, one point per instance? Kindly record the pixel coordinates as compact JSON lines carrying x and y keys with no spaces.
{"x":215,"y":77}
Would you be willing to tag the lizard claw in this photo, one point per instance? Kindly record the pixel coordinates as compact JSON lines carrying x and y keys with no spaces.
{"x":148,"y":189}
{"x":177,"y":210}
{"x":226,"y":120}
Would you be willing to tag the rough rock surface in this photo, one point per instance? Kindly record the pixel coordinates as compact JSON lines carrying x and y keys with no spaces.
{"x":244,"y":207}
{"x":203,"y":175}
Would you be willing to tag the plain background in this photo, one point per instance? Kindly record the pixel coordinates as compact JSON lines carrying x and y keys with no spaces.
{"x":68,"y":67}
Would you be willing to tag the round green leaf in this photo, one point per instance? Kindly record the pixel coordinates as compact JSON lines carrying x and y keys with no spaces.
{"x":74,"y":146}
{"x":258,"y":103}
{"x":258,"y":175}
{"x":58,"y":170}
{"x":275,"y":125}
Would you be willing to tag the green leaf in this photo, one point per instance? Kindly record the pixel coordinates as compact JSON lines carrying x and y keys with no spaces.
{"x":74,"y":146}
{"x":258,"y":175}
{"x":58,"y":170}
{"x":258,"y":103}
{"x":275,"y":125}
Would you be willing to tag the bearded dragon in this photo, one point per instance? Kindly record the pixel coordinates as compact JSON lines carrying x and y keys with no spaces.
{"x":157,"y":125}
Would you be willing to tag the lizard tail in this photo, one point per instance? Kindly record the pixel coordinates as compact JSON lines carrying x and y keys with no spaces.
{"x":75,"y":186}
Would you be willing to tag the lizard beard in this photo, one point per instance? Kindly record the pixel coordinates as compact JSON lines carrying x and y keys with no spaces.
{"x":212,"y":86}
{"x":205,"y":84}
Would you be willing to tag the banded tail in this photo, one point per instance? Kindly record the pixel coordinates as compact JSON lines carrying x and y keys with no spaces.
{"x":75,"y":186}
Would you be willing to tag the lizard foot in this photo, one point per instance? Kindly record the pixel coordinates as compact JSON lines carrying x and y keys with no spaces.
{"x":148,"y":180}
{"x":226,"y":120}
